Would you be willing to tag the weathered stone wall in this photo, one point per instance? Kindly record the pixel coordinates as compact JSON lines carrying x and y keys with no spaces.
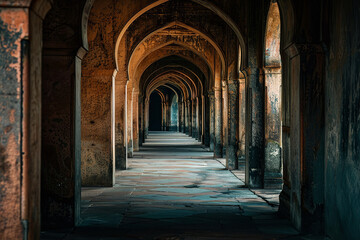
{"x":303,"y":62}
{"x":14,"y":26}
{"x":96,"y":158}
{"x":58,"y":168}
{"x":60,"y":129}
{"x":342,"y":148}
{"x":320,"y":106}
{"x":20,"y":117}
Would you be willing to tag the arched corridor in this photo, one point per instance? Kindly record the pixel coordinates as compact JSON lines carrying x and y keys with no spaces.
{"x":174,"y":189}
{"x":186,"y":119}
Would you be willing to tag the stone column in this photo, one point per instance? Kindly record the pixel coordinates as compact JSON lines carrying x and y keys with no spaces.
{"x":20,"y":121}
{"x":225,"y":113}
{"x":168,"y":115}
{"x":233,"y":116}
{"x":273,"y":166}
{"x":212,"y":120}
{"x":183,"y":116}
{"x":146,"y":118}
{"x":200,"y":112}
{"x":121,"y":125}
{"x":218,"y":124}
{"x":186,"y":117}
{"x":255,"y":129}
{"x":206,"y":121}
{"x":190,"y":117}
{"x":136,"y":118}
{"x":194,"y":118}
{"x":180,"y":111}
{"x":130,"y":107}
{"x":163,"y":118}
{"x":141,"y":114}
{"x":61,"y":137}
{"x":242,"y":117}
{"x":305,"y":133}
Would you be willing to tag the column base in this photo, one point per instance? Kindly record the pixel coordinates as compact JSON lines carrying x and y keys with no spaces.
{"x":231,"y":158}
{"x":273,"y":180}
{"x":120,"y":157}
{"x":241,"y":163}
{"x":224,"y":151}
{"x":284,"y":207}
{"x":218,"y":151}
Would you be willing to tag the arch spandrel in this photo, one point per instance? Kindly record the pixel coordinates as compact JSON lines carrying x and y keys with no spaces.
{"x":179,"y":71}
{"x":162,"y":65}
{"x":172,"y":79}
{"x":145,"y":52}
{"x":176,"y":56}
{"x":103,"y":11}
{"x":189,"y":38}
{"x":168,"y":77}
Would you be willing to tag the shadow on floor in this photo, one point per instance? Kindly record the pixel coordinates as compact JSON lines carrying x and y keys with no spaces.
{"x":176,"y":192}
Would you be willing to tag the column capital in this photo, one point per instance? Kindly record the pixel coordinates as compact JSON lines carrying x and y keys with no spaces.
{"x":234,"y":81}
{"x":217,"y":90}
{"x":121,"y":83}
{"x":242,"y":74}
{"x":253,"y":71}
{"x":272,"y":70}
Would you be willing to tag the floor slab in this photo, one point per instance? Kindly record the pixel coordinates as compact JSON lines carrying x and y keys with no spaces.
{"x":174,"y":189}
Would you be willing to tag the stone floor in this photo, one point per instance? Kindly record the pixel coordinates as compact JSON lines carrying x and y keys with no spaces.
{"x":174,"y":190}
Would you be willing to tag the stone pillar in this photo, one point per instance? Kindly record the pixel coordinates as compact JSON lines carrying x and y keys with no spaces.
{"x":233,"y":116}
{"x":97,"y":125}
{"x":194,"y":118}
{"x":61,"y":138}
{"x":14,"y":57}
{"x":255,"y":129}
{"x":183,"y":116}
{"x":141,"y":115}
{"x":305,"y":135}
{"x":186,"y":117}
{"x":121,"y":125}
{"x":190,"y":117}
{"x":200,"y":112}
{"x":212,"y":120}
{"x":129,"y":118}
{"x":136,"y":118}
{"x":225,"y":113}
{"x":218,"y":124}
{"x":165,"y":119}
{"x":20,"y":121}
{"x":273,"y":166}
{"x":168,"y":115}
{"x":146,"y":118}
{"x":242,"y":122}
{"x":206,"y":120}
{"x":163,"y":116}
{"x":180,"y":118}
